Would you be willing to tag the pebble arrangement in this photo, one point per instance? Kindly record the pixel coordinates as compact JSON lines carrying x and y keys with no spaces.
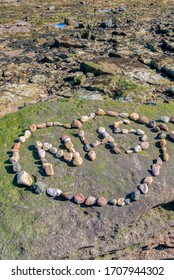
{"x":71,"y":155}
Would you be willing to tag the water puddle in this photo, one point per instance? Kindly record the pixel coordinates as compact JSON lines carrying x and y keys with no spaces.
{"x":60,"y":25}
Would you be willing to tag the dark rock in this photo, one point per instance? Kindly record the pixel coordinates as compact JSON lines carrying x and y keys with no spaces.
{"x":135,"y":195}
{"x":107,"y":24}
{"x":39,"y":187}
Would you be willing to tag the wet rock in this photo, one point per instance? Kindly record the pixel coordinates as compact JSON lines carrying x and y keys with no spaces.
{"x":143,"y":120}
{"x":113,"y":201}
{"x":90,"y":200}
{"x":156,"y":169}
{"x":23,"y":178}
{"x":120,"y":201}
{"x":144,"y":145}
{"x":165,"y":119}
{"x":148,"y":180}
{"x":49,"y":169}
{"x":46,"y":146}
{"x":76,"y":124}
{"x":32,"y":127}
{"x":16,"y":166}
{"x":102,"y":201}
{"x":143,"y":188}
{"x":53,"y":192}
{"x":41,"y":125}
{"x":78,"y":161}
{"x":92,"y":155}
{"x":134,"y":116}
{"x":39,"y":187}
{"x":163,"y":127}
{"x":27,"y":134}
{"x":79,"y":198}
{"x":134,"y":196}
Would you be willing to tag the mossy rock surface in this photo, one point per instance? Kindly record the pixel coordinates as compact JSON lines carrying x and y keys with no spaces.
{"x":36,"y":226}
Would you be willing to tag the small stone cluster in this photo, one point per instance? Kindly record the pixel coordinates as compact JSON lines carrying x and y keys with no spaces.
{"x":23,"y":178}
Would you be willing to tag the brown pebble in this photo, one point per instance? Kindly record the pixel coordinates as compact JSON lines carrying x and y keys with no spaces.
{"x":76,"y":124}
{"x":159,"y":161}
{"x":162,"y":142}
{"x":164,"y":149}
{"x":69,"y":145}
{"x":68,"y":156}
{"x":165,"y":157}
{"x":41,"y":125}
{"x":38,"y":145}
{"x":102,"y":201}
{"x":143,"y":120}
{"x":90,"y":200}
{"x":120,"y":201}
{"x":163,"y":127}
{"x":92,"y":155}
{"x":79,"y":198}
{"x":172,"y":119}
{"x":105,"y":140}
{"x":116,"y":150}
{"x":85,"y":142}
{"x":84,"y":119}
{"x":57,"y":124}
{"x":67,"y":125}
{"x":134,"y":116}
{"x":49,"y":169}
{"x":78,"y":161}
{"x":32,"y":127}
{"x":111,"y":113}
{"x":116,"y":124}
{"x":49,"y":124}
{"x":148,"y":180}
{"x":67,"y":195}
{"x":100,"y":112}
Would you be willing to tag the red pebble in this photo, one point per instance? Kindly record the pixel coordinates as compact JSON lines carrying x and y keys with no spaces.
{"x":79,"y":198}
{"x":102,"y":201}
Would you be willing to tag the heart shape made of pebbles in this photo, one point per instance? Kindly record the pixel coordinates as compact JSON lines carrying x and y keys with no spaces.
{"x":71,"y":155}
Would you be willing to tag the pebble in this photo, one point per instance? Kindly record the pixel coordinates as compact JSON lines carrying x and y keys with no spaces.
{"x":101,"y":130}
{"x":143,"y":188}
{"x":132,"y":131}
{"x":67,"y":195}
{"x":92,"y":115}
{"x":96,"y":143}
{"x":102,"y":201}
{"x":23,"y":178}
{"x":59,"y":153}
{"x":68,"y":156}
{"x":144,"y":138}
{"x":87,"y":148}
{"x":165,"y":119}
{"x":156,"y":129}
{"x":79,"y":198}
{"x":116,"y":124}
{"x":126,"y":121}
{"x":50,"y":124}
{"x":69,"y":145}
{"x":44,"y":160}
{"x":76,"y":154}
{"x":84,"y":119}
{"x":143,"y":120}
{"x":46,"y":146}
{"x":65,"y":137}
{"x":163,"y":142}
{"x":110,"y":138}
{"x":156,"y":169}
{"x":27,"y":134}
{"x":78,"y":161}
{"x":159,"y":161}
{"x":67,"y":125}
{"x":135,"y":195}
{"x":105,"y":140}
{"x":22,"y":139}
{"x":116,"y":150}
{"x":100,"y":112}
{"x":113,"y":144}
{"x":76,"y":124}
{"x":92,"y":155}
{"x":163,"y":127}
{"x":172,"y":134}
{"x":15,"y":157}
{"x":17,"y":146}
{"x":113,"y":201}
{"x":172,"y":119}
{"x":53,"y":150}
{"x":41,"y":125}
{"x":53,"y":192}
{"x":58,"y":124}
{"x":90,"y":200}
{"x":38,"y":145}
{"x":164,"y":149}
{"x":16,"y":166}
{"x":134,"y":116}
{"x":125,"y":131}
{"x":41,"y":153}
{"x":105,"y":134}
{"x":111,"y":113}
{"x":129,"y":151}
{"x":120,"y":201}
{"x":117,"y":130}
{"x":148,"y":180}
{"x":39,"y":187}
{"x":162,"y":135}
{"x":49,"y":169}
{"x":32,"y":127}
{"x":165,"y":157}
{"x":85,"y":142}
{"x":152,"y":124}
{"x":81,"y":133}
{"x":127,"y":201}
{"x":144,"y":145}
{"x":124,"y":115}
{"x":140,"y":132}
{"x":137,"y":149}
